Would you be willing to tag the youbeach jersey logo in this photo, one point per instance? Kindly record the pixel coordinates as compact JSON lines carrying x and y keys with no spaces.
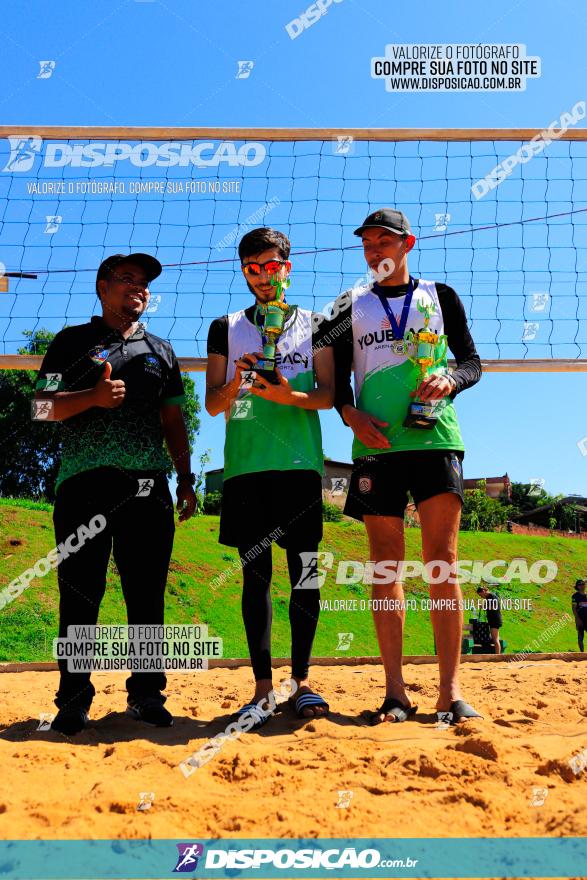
{"x":296,"y":358}
{"x":202,"y":154}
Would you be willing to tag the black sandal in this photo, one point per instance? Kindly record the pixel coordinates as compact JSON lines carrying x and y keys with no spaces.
{"x":459,"y":710}
{"x":309,"y":700}
{"x":391,"y":706}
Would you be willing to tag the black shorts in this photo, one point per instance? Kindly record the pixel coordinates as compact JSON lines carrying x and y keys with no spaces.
{"x":380,"y":483}
{"x":285,"y":506}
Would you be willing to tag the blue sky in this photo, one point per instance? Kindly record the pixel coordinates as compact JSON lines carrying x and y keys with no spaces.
{"x":175,"y":64}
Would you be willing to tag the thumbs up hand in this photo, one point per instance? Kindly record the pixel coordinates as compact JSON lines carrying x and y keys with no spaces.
{"x":107,"y":392}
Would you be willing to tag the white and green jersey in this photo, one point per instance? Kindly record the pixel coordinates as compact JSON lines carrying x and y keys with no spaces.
{"x":384,"y":375}
{"x":262,"y":435}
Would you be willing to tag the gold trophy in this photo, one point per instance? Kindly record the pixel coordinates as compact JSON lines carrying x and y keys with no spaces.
{"x":421,"y":414}
{"x":274,"y":314}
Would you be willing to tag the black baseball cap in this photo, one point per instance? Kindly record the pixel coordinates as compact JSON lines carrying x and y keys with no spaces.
{"x":150,"y":266}
{"x":387,"y":218}
{"x":579,"y":582}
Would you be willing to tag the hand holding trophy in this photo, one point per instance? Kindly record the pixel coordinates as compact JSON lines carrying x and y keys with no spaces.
{"x":425,"y":342}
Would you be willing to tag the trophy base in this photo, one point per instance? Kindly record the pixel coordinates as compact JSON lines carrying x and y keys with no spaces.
{"x":420,"y":415}
{"x":265,"y":369}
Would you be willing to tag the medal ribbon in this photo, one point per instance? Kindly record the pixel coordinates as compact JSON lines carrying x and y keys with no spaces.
{"x":397,"y":330}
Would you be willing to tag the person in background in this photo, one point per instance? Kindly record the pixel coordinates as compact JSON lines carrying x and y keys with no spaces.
{"x":492,"y":607}
{"x":579,"y":606}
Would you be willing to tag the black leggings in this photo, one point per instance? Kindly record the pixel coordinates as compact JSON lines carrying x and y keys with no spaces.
{"x":304,"y":609}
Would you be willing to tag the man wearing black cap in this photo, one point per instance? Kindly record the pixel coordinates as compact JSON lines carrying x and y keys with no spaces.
{"x":407,"y":439}
{"x":118,"y":392}
{"x":579,"y":605}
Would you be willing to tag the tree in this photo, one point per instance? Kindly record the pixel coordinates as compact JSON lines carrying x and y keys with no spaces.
{"x":527,"y":496}
{"x":30,"y":450}
{"x":212,"y":503}
{"x":482,"y":513}
{"x":201,"y":480}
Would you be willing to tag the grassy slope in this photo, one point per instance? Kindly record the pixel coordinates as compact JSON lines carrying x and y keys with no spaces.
{"x":29,"y":623}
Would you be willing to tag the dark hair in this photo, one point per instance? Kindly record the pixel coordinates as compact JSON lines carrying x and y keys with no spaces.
{"x":258,"y":240}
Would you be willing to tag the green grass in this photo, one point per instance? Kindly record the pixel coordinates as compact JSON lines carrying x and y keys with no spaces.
{"x":29,"y":623}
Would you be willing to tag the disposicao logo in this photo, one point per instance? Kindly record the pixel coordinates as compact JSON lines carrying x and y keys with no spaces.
{"x":202,"y":154}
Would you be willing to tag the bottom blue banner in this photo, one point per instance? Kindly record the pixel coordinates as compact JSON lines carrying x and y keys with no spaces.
{"x":336,"y":858}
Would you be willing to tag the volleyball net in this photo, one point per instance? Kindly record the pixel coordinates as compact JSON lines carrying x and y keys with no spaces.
{"x":503,"y":225}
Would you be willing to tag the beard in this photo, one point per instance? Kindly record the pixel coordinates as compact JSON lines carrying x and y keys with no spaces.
{"x":133,"y":312}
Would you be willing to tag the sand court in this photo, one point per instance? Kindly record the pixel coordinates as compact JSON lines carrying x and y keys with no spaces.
{"x":517,"y":773}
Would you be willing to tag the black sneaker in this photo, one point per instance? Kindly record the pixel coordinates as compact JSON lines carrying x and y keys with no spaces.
{"x":150,"y":710}
{"x":70,"y":721}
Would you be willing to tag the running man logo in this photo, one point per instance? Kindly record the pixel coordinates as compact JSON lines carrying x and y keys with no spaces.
{"x":536,"y":485}
{"x":244,"y":69}
{"x":153,"y":304}
{"x":146,"y":800}
{"x":22,"y":153}
{"x":242,"y":409}
{"x":539,"y":795}
{"x":531,"y":329}
{"x":145,"y":486}
{"x":52,"y":381}
{"x":441,"y":222}
{"x":344,"y":799}
{"x":53,"y":223}
{"x":343,"y":145}
{"x":444,"y":720}
{"x":41,"y":410}
{"x":338,"y":485}
{"x":247,"y":379}
{"x":45,"y":720}
{"x":312,"y":577}
{"x":344,"y":641}
{"x":46,"y":69}
{"x":578,"y":762}
{"x":539,"y":302}
{"x":189,"y":855}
